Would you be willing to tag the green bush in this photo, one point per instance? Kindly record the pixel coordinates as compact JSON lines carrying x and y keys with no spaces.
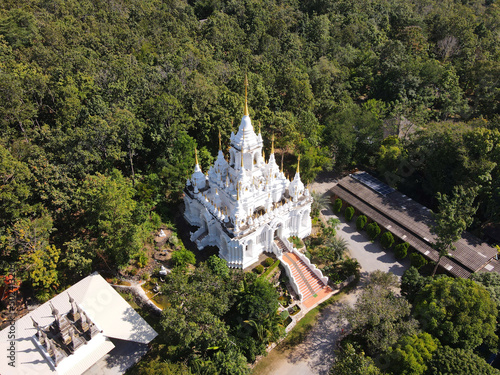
{"x":373,"y":230}
{"x":361,"y":222}
{"x":142,"y":259}
{"x":337,"y":206}
{"x":182,"y":257}
{"x":350,"y":267}
{"x":417,"y":260}
{"x":259,"y":269}
{"x":349,"y":213}
{"x":271,"y":268}
{"x":387,"y":240}
{"x":268,"y":262}
{"x":401,"y":250}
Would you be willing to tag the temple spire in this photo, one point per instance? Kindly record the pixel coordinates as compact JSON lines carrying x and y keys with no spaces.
{"x":272,"y":144}
{"x":298,"y":164}
{"x":196,"y":156}
{"x":220,"y":143}
{"x":245,"y":113}
{"x":282,"y":154}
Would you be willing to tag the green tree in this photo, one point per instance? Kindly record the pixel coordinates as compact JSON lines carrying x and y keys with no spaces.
{"x":107,"y":207}
{"x":361,"y":222}
{"x":411,"y":354}
{"x":159,"y":367}
{"x":15,"y":189}
{"x":313,"y":160}
{"x":349,"y":213}
{"x":337,"y":206}
{"x":182,"y":257}
{"x":412,"y":282}
{"x":459,"y":312}
{"x":491,"y":281}
{"x":373,"y":230}
{"x":41,"y":267}
{"x":458,"y":361}
{"x":349,"y":361}
{"x":387,"y":240}
{"x":379,"y":318}
{"x":76,"y":259}
{"x":454,"y":216}
{"x":417,"y":260}
{"x":401,"y":250}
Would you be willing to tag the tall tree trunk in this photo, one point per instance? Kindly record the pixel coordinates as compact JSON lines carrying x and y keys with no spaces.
{"x":437,"y":265}
{"x":130,"y":154}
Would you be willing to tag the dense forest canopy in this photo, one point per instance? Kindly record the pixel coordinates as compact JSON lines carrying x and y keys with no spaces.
{"x":103,"y":102}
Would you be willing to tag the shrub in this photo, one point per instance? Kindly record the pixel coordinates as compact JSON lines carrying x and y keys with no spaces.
{"x":349,"y":213}
{"x":142,"y":259}
{"x":145,"y":276}
{"x":259,"y":269}
{"x":417,"y":260}
{"x":350,"y":267}
{"x":182,"y":257}
{"x":271,"y":269}
{"x":268,"y":262}
{"x":387,"y":240}
{"x":401,"y":250}
{"x":361,"y":222}
{"x":373,"y":230}
{"x":337,"y":206}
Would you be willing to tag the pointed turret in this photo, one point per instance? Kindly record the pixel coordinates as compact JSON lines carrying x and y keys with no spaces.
{"x":198,"y":179}
{"x":296,"y":187}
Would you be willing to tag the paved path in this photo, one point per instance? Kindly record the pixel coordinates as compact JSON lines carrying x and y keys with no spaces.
{"x":315,"y":355}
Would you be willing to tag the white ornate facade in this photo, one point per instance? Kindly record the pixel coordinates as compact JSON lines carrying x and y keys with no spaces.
{"x":241,"y":206}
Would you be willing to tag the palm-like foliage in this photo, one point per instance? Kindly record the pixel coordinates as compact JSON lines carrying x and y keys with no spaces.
{"x":337,"y":247}
{"x":319,"y":202}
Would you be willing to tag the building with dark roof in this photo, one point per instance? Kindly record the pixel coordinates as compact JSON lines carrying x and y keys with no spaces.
{"x":411,"y":222}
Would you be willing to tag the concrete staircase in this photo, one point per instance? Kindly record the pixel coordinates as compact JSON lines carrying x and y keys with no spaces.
{"x":309,"y":284}
{"x":280,"y":244}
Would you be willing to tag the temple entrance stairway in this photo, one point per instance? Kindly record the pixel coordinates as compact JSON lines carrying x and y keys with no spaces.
{"x":310,"y":286}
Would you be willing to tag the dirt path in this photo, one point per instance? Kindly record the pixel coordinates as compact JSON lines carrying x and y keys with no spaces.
{"x":315,"y":354}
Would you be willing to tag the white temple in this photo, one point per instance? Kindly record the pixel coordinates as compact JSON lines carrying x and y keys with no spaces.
{"x":244,"y":206}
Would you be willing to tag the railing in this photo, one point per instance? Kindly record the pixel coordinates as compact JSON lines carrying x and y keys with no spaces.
{"x":276,"y":250}
{"x":197,"y":233}
{"x":287,"y":244}
{"x":293,"y":283}
{"x":311,"y":266}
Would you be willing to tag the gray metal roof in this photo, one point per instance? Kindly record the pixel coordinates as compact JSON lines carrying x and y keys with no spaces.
{"x":411,"y":222}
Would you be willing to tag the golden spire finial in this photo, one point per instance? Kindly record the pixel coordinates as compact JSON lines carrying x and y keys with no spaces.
{"x":272,"y":144}
{"x":246,"y":104}
{"x":298,"y":164}
{"x":196,"y":156}
{"x":263,"y":155}
{"x":220,"y":144}
{"x":282,"y":154}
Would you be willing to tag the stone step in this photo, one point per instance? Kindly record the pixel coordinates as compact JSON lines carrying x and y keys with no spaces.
{"x":309,"y":284}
